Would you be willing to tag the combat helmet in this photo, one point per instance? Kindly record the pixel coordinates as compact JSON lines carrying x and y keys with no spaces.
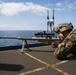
{"x":63,"y":27}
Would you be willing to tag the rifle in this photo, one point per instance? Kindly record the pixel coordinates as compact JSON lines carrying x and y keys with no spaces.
{"x":46,"y":40}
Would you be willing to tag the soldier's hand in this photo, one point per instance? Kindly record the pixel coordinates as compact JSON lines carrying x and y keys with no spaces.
{"x":59,"y":45}
{"x":54,"y":44}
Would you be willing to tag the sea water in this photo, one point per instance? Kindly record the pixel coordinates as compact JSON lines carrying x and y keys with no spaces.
{"x":15,"y":33}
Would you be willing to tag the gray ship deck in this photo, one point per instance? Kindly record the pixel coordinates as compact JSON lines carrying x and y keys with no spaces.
{"x":38,"y":61}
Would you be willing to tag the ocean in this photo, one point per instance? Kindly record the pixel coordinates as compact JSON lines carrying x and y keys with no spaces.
{"x":15,"y":33}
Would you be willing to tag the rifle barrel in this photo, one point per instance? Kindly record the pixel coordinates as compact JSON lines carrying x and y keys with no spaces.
{"x":31,"y":38}
{"x":8,"y":37}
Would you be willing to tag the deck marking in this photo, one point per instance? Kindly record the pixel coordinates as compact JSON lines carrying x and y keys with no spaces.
{"x":59,"y":70}
{"x":62,"y":62}
{"x":52,"y":66}
{"x":32,"y":71}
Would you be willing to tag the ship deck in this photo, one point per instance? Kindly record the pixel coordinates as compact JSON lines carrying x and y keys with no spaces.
{"x":36,"y":61}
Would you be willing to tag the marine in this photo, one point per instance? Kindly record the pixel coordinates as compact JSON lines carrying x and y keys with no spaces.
{"x":67,"y":43}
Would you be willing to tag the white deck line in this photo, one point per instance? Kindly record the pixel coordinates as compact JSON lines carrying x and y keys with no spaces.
{"x":45,"y":63}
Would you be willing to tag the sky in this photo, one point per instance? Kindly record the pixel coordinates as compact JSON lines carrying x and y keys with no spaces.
{"x":32,"y":14}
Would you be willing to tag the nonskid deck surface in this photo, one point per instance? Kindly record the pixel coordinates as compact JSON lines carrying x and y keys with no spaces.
{"x":37,"y":61}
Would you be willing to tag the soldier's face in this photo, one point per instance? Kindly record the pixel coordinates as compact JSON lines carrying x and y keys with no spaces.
{"x":61,"y":35}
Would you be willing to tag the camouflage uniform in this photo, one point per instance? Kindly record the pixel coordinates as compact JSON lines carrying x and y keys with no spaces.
{"x":67,"y":46}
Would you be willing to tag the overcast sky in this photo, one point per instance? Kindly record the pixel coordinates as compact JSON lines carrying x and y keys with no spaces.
{"x":32,"y":14}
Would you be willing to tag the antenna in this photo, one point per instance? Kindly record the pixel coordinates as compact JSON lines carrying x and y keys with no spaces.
{"x":53,"y":18}
{"x":50,"y":22}
{"x":47,"y":20}
{"x":53,"y":15}
{"x":47,"y":14}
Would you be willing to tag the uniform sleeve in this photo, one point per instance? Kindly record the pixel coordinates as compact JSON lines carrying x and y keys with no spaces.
{"x":64,"y":49}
